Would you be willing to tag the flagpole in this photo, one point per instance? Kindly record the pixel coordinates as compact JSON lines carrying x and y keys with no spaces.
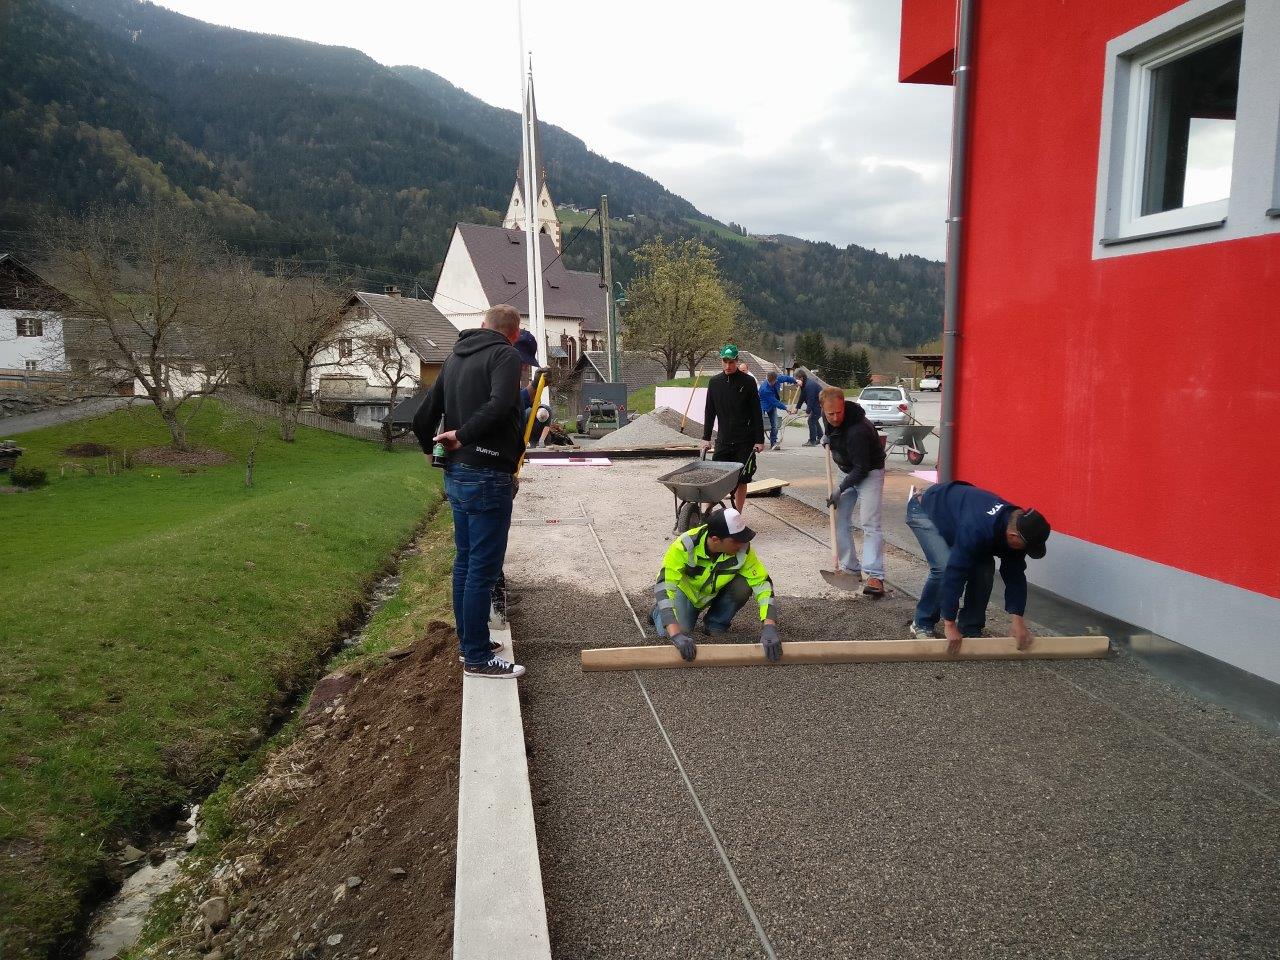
{"x":533,"y":259}
{"x":537,"y":306}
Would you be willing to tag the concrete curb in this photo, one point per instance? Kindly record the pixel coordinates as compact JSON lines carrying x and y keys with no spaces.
{"x":498,"y":905}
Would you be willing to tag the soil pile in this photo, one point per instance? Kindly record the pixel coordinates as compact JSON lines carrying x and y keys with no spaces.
{"x":348,"y":834}
{"x":88,"y":449}
{"x":657,"y":428}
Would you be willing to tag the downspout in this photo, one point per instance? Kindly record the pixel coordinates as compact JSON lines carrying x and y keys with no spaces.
{"x":955,"y":224}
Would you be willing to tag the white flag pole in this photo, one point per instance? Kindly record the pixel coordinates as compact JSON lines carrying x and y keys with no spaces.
{"x":533,"y":270}
{"x":537,"y":303}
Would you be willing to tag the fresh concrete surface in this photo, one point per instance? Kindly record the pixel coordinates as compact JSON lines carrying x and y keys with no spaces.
{"x":498,"y":903}
{"x":1072,"y":809}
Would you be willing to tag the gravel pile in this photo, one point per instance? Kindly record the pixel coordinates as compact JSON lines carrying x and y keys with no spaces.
{"x":671,"y":418}
{"x":651,"y":430}
{"x":700,"y":475}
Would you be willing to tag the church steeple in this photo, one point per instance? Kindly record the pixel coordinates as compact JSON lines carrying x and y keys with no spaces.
{"x":545,"y":212}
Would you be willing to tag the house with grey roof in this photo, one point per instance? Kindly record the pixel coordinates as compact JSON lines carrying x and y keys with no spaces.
{"x":388,"y":347}
{"x":485,"y":266}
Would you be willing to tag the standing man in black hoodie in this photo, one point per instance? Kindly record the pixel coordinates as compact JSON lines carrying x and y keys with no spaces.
{"x":478,"y":397}
{"x":733,"y":399}
{"x":855,"y":447}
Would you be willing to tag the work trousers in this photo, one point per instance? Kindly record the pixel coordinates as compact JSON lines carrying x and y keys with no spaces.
{"x":977,"y":590}
{"x":815,"y":426}
{"x":481,"y":502}
{"x":866,"y":496}
{"x":720,"y":611}
{"x":772,"y":415}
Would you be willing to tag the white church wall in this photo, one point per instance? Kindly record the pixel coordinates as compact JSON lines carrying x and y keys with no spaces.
{"x":459,"y":294}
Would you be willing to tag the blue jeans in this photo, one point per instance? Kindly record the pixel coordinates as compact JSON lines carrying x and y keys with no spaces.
{"x":866,"y":496}
{"x":772,"y":414}
{"x":815,"y":426}
{"x":481,"y":502}
{"x":720,"y":611}
{"x":977,"y":591}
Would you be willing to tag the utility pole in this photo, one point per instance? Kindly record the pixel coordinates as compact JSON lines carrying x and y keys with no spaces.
{"x":606,"y":262}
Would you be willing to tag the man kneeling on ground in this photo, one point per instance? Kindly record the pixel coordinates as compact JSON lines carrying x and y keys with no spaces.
{"x":962,"y":529}
{"x":713,"y":568}
{"x":855,"y":448}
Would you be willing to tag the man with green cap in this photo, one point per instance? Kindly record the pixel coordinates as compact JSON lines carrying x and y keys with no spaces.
{"x":733,"y":408}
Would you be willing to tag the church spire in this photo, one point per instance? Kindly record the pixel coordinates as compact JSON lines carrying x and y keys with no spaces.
{"x":545,"y":211}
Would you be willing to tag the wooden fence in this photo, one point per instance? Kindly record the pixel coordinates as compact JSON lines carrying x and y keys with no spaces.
{"x":306,"y":418}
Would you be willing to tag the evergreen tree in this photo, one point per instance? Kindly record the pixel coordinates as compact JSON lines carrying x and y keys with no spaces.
{"x":840,"y":369}
{"x":862,"y":368}
{"x":811,"y":350}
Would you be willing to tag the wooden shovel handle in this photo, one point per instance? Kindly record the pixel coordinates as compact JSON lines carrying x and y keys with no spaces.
{"x":831,"y":511}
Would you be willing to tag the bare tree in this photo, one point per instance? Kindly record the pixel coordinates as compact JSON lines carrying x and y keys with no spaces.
{"x":394,"y":366}
{"x":154,"y":300}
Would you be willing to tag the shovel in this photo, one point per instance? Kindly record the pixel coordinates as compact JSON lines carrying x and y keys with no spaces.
{"x":841,"y":579}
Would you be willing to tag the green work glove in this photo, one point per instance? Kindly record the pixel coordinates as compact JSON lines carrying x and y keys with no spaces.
{"x":684,"y":643}
{"x":771,"y":642}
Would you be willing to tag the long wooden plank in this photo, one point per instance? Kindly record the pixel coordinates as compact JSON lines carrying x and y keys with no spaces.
{"x":665,"y":656}
{"x":766,"y":488}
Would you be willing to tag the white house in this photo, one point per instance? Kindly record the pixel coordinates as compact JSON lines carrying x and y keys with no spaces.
{"x":31,"y":335}
{"x":388,"y":347}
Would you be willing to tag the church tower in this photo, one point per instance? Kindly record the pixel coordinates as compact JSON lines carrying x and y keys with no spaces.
{"x":548,"y":222}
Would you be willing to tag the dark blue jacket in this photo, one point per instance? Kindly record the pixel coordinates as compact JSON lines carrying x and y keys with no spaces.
{"x":769,"y":398}
{"x":809,"y":396}
{"x":973,"y":522}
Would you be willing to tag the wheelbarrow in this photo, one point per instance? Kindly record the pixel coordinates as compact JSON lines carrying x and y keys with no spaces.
{"x":708,"y":483}
{"x":908,"y":439}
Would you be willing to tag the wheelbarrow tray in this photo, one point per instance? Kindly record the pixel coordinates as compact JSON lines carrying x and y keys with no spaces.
{"x":706,"y":491}
{"x":907,"y":435}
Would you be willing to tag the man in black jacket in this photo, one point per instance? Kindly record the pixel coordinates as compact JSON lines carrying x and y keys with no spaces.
{"x":478,"y":397}
{"x":855,"y":448}
{"x":733,"y":399}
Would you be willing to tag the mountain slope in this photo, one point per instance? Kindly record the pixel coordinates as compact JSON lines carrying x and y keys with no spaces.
{"x":320,"y":153}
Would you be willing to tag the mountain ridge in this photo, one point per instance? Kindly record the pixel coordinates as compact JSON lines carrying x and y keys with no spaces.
{"x":322,"y":154}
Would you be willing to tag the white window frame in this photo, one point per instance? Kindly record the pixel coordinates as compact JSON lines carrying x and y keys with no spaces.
{"x":1119,"y":226}
{"x":1137,"y":130}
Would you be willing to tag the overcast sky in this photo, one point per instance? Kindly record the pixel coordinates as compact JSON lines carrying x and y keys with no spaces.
{"x":787,"y":118}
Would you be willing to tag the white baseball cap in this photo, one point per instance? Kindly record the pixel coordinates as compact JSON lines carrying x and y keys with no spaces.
{"x":728,"y":522}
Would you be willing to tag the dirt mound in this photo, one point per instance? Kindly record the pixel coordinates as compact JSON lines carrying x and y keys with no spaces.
{"x":351,"y":828}
{"x":672,"y":418}
{"x":169,"y":457}
{"x":91,"y":450}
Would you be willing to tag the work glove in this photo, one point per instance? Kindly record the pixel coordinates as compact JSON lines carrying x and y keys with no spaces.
{"x":825,"y":441}
{"x":684,"y":643}
{"x":833,"y":501}
{"x":771,"y":642}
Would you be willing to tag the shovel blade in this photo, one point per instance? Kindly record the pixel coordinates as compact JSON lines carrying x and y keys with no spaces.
{"x":842,"y":580}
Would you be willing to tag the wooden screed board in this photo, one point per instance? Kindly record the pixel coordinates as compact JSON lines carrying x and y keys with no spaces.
{"x":665,"y":656}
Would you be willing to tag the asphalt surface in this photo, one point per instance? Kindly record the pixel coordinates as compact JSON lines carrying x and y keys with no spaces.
{"x":1071,"y":809}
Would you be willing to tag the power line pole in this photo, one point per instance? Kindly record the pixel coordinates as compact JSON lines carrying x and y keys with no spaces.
{"x":606,"y":262}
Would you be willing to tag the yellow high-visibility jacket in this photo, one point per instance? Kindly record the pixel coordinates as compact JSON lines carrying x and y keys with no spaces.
{"x":688,"y":567}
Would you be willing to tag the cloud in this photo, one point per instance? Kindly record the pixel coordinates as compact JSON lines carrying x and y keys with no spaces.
{"x":673,"y":122}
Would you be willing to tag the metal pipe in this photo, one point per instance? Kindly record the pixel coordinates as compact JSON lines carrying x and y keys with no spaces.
{"x":967,"y":10}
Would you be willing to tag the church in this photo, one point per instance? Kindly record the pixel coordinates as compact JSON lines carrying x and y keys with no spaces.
{"x":485,"y":267}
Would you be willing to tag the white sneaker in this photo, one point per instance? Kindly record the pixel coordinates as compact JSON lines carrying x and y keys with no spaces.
{"x":497,"y":667}
{"x":919,"y":632}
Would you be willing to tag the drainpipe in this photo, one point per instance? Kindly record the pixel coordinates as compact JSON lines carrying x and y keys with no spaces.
{"x":955,"y":222}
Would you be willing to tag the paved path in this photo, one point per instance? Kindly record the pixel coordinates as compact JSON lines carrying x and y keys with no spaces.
{"x":12,"y":426}
{"x":985,"y":810}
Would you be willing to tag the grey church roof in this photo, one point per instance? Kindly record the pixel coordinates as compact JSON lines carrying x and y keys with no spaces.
{"x":498,"y":255}
{"x":424,"y":328}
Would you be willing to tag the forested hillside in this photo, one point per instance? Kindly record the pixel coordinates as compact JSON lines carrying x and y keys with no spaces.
{"x":320,"y":153}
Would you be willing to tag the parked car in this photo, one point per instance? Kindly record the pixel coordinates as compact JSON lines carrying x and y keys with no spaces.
{"x":931,"y":381}
{"x":886,"y":405}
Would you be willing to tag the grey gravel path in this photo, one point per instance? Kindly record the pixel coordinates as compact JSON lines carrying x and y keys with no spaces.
{"x":889,"y":810}
{"x":12,"y":426}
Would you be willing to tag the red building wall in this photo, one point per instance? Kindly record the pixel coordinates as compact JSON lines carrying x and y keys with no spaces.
{"x":1135,"y":400}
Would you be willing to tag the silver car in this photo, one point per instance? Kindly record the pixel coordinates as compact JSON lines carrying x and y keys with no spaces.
{"x":887,"y":406}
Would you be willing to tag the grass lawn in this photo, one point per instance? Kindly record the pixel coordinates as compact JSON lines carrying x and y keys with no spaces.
{"x":641,"y":401}
{"x":724,"y":233}
{"x":151,"y":621}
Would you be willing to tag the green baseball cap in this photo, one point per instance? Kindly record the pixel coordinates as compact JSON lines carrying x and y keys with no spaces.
{"x":728,"y":352}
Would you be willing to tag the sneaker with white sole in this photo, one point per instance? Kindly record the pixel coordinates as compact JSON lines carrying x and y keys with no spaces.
{"x":495,"y":646}
{"x":496,"y":668}
{"x":920,"y":633}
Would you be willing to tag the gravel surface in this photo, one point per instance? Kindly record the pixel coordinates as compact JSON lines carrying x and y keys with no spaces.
{"x":701,"y":475}
{"x":1066,"y":809}
{"x":654,"y":429}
